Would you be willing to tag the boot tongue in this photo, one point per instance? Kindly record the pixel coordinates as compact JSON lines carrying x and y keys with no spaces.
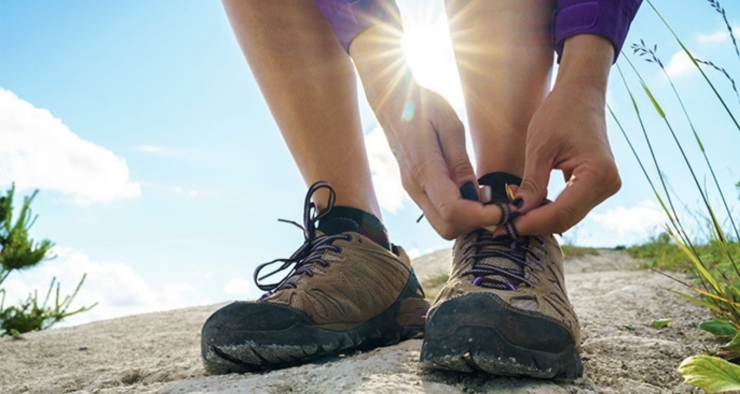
{"x":502,"y":243}
{"x":498,"y":253}
{"x":496,"y":182}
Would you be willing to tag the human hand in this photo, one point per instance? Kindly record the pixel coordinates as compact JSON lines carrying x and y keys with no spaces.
{"x":429,"y":145}
{"x":568,"y":132}
{"x":425,"y":135}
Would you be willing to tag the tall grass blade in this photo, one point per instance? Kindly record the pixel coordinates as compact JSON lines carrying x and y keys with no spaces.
{"x":652,"y":57}
{"x":698,"y":264}
{"x":698,"y":301}
{"x":693,"y":60}
{"x":672,"y":214}
{"x":639,"y":162}
{"x":717,"y":7}
{"x":725,"y":73}
{"x":700,"y":189}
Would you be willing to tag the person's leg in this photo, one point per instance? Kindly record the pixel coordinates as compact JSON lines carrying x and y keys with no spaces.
{"x":504,"y":309}
{"x":309,"y":84}
{"x":504,"y":56}
{"x":345,"y":287}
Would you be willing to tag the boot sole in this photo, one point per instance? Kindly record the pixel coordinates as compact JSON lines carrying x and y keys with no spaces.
{"x":464,"y":346}
{"x":301,"y":343}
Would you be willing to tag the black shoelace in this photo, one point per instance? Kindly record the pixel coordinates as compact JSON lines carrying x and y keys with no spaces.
{"x":310,"y":253}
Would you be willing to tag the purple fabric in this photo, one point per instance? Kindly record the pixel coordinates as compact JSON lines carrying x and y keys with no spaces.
{"x":349,"y":17}
{"x":608,"y":18}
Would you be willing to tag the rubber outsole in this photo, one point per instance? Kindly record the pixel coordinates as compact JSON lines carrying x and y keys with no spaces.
{"x":476,"y":349}
{"x":460,"y":338}
{"x":301,"y":343}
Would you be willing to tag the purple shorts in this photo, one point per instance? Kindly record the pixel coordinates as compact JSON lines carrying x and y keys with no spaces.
{"x":608,"y":18}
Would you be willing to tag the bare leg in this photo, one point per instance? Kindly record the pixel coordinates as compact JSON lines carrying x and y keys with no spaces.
{"x":504,"y":56}
{"x":309,"y":83}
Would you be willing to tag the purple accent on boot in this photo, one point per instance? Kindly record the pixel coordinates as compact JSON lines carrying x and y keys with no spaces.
{"x":610,"y":19}
{"x":349,"y":17}
{"x":269,"y":293}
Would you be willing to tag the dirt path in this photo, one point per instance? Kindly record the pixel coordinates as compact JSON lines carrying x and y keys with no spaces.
{"x":159,"y":352}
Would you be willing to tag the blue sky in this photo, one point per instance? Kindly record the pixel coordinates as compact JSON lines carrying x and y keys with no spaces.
{"x":161,"y":172}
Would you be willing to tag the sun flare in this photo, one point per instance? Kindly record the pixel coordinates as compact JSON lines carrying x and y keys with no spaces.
{"x":429,"y":53}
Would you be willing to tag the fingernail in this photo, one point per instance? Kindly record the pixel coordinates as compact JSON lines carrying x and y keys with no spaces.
{"x":469,"y":192}
{"x":486,"y":195}
{"x":518,"y":203}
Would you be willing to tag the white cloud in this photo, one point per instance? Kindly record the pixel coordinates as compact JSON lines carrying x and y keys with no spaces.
{"x":641,"y":220}
{"x":386,"y":176}
{"x":177,"y":190}
{"x":189,"y":192}
{"x":158,"y":150}
{"x":118,"y":290}
{"x":717,"y":37}
{"x":238,"y":286}
{"x":679,"y":65}
{"x":39,"y":151}
{"x":414,"y":253}
{"x":150,"y":149}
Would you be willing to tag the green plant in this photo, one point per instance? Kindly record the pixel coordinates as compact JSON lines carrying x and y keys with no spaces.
{"x":715,"y":262}
{"x":662,"y":253}
{"x":19,"y":252}
{"x":435,"y":281}
{"x":570,"y":251}
{"x":434,"y":284}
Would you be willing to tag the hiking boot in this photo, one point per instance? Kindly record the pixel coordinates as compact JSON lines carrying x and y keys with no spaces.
{"x":504,"y":310}
{"x":342,"y":292}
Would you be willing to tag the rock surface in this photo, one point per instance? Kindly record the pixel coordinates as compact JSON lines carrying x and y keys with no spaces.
{"x":160,"y":352}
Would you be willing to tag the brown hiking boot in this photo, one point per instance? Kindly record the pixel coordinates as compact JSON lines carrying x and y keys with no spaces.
{"x":504,"y":310}
{"x":343,"y":292}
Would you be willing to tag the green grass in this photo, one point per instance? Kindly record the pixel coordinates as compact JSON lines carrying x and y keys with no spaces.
{"x":432,"y":285}
{"x":435,"y":281}
{"x":578,"y":251}
{"x":663,"y":254}
{"x":715,"y":262}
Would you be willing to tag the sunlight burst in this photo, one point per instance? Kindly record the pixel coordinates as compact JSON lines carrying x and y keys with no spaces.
{"x":428,"y":50}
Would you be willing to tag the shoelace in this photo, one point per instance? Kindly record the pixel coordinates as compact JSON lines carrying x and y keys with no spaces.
{"x":510,"y":247}
{"x":486,"y":246}
{"x":310,"y":253}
